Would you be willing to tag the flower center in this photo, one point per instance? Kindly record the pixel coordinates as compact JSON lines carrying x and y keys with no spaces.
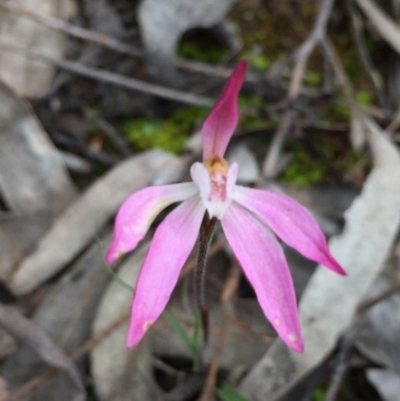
{"x":217,"y":168}
{"x":215,"y":180}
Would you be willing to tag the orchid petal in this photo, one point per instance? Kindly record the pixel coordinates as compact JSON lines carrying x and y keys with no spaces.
{"x":265,"y":266}
{"x":220,"y":124}
{"x":201,"y":178}
{"x":291,"y":222}
{"x":139,"y":211}
{"x":169,"y":249}
{"x":231,"y":180}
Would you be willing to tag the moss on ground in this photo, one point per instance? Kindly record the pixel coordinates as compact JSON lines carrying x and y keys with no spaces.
{"x":170,"y":134}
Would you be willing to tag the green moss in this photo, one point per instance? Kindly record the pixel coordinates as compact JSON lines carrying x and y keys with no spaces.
{"x":365,"y":97}
{"x":272,"y":26}
{"x":303,"y":170}
{"x":251,"y":122}
{"x":206,"y":52}
{"x":320,"y":159}
{"x":336,"y":112}
{"x":259,"y":61}
{"x":262,"y":14}
{"x":146,"y":134}
{"x":319,"y":394}
{"x":253,"y":103}
{"x":313,"y":78}
{"x":347,"y":52}
{"x":170,"y":134}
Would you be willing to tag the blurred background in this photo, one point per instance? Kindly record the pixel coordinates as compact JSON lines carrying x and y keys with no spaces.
{"x":99,"y":98}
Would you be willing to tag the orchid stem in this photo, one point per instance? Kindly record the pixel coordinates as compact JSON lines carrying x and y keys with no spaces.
{"x":205,"y":239}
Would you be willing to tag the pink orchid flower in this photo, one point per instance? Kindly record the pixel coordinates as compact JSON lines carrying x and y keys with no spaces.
{"x":249,"y":219}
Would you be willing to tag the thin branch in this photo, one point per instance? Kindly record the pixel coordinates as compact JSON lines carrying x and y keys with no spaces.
{"x":110,"y":132}
{"x":303,"y":53}
{"x":271,"y":162}
{"x":77,"y":32}
{"x":230,"y":288}
{"x":301,"y":57}
{"x":112,"y":43}
{"x":113,"y":78}
{"x":342,"y":365}
{"x":394,"y":124}
{"x":367,"y":305}
{"x":121,"y":47}
{"x":359,"y":40}
{"x":340,"y":72}
{"x":385,"y":26}
{"x":78,"y":353}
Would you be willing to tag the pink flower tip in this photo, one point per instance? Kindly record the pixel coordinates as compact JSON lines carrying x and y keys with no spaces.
{"x":331,"y":263}
{"x":113,"y":253}
{"x":219,"y":126}
{"x":298,"y":346}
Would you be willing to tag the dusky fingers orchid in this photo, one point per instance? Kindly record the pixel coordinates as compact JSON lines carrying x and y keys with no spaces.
{"x":249,"y":219}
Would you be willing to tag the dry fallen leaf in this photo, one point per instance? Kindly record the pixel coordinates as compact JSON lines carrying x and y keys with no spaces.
{"x":111,"y":361}
{"x":387,"y":28}
{"x":4,"y":394}
{"x":73,"y":229}
{"x":31,"y":78}
{"x":378,"y":329}
{"x":18,"y":236}
{"x":65,"y":315}
{"x":33,"y":178}
{"x":386,"y":382}
{"x":29,"y":334}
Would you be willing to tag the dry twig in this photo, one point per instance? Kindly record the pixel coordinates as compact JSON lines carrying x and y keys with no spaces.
{"x":367,"y":305}
{"x":113,"y":78}
{"x":303,"y":53}
{"x":341,"y":75}
{"x":110,"y":132}
{"x":72,"y":30}
{"x":230,"y":288}
{"x":359,"y":40}
{"x":301,"y":57}
{"x":78,"y":353}
{"x":342,"y":365}
{"x":112,"y":43}
{"x":394,"y":124}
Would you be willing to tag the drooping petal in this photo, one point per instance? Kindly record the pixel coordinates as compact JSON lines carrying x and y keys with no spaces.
{"x":172,"y":243}
{"x":291,"y":222}
{"x":264,"y":263}
{"x":139,"y":211}
{"x":220,"y":124}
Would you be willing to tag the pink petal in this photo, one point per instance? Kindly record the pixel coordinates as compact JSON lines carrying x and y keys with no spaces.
{"x":138,"y":212}
{"x":291,"y":222}
{"x":201,"y":178}
{"x":221,"y":123}
{"x":169,"y":249}
{"x":265,"y":266}
{"x":231,"y":180}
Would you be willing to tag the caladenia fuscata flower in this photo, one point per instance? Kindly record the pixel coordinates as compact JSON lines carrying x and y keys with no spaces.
{"x":249,"y":219}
